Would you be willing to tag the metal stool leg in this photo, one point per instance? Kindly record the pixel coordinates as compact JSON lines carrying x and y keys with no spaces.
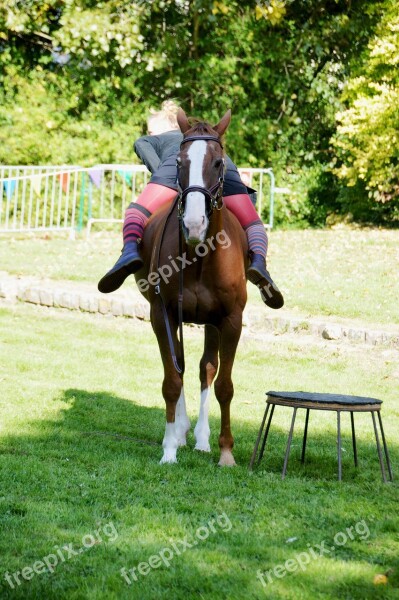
{"x":266,"y":433}
{"x":385,"y":446}
{"x":353,"y":438}
{"x":379,"y":448}
{"x":339,"y":445}
{"x":287,"y":452}
{"x":251,"y":464}
{"x":305,"y":435}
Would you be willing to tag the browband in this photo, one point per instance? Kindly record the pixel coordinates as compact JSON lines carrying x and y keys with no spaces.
{"x":205,"y":138}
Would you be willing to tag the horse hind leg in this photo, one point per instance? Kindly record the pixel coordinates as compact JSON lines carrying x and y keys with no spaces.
{"x":182,"y":422}
{"x":208,"y":370}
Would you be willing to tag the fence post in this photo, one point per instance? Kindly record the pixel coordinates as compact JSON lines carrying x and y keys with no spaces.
{"x":82,"y":201}
{"x":272,"y":186}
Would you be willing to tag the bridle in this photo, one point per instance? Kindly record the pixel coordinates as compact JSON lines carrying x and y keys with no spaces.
{"x":213,"y":195}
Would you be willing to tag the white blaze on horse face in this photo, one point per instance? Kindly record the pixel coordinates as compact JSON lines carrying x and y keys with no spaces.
{"x":195,"y":218}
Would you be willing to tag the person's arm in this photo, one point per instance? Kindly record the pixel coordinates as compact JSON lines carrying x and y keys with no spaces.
{"x":147,"y":149}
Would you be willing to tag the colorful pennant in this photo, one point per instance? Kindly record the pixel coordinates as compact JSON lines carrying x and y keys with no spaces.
{"x":96,"y":176}
{"x":126,"y":175}
{"x":9,"y":188}
{"x":36,"y":181}
{"x":64,"y":180}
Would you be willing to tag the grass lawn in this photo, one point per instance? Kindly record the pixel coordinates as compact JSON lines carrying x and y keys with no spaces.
{"x":82,"y":419}
{"x":344,"y":273}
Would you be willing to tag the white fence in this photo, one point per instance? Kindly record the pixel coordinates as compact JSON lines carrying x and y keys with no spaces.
{"x":115,"y":187}
{"x":70,"y":198}
{"x":38,"y":198}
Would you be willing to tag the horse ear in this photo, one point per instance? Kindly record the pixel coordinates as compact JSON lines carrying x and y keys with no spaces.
{"x":223,"y":124}
{"x":182,"y":120}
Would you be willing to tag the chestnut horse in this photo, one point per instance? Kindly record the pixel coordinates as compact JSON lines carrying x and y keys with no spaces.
{"x":213,"y":258}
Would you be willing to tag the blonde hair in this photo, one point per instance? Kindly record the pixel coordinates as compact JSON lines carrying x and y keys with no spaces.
{"x":167,"y":113}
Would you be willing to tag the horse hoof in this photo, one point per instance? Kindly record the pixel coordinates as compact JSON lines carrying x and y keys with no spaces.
{"x":168,"y":459}
{"x":202,"y":447}
{"x":226,"y":459}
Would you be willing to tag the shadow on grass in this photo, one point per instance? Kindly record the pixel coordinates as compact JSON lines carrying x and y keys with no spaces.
{"x":99,"y":463}
{"x":96,"y":422}
{"x":104,"y":422}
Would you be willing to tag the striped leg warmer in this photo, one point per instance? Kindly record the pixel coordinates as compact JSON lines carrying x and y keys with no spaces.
{"x":257,"y":238}
{"x":136,"y":218}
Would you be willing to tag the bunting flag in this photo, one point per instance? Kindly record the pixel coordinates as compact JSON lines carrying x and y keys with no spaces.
{"x":36,"y":182}
{"x":64,"y":180}
{"x":126,"y":175}
{"x":96,"y":176}
{"x":9,"y":188}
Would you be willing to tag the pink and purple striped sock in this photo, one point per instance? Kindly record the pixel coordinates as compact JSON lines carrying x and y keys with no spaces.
{"x":257,"y":238}
{"x":136,"y":218}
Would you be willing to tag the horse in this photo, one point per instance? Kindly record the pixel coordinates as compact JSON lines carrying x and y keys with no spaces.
{"x":210,"y":261}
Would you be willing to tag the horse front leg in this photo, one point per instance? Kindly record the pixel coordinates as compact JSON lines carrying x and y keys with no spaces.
{"x":208,"y":370}
{"x":230,"y":332}
{"x":177,"y":422}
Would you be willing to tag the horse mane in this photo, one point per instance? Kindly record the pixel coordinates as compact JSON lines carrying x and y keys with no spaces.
{"x":200,"y":128}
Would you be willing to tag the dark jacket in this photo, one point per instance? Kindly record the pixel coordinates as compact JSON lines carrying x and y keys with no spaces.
{"x":158,"y":153}
{"x":153,"y":150}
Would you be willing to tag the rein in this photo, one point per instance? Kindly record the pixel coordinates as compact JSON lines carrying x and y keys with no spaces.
{"x":179,"y":369}
{"x":214,"y":196}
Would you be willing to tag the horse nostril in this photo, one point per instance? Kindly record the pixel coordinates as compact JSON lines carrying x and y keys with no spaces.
{"x":203,"y":220}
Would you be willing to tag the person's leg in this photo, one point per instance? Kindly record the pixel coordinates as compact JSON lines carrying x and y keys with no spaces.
{"x":137,"y":215}
{"x":241,"y":206}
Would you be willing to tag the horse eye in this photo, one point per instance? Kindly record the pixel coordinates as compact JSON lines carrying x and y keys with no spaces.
{"x":218,"y":163}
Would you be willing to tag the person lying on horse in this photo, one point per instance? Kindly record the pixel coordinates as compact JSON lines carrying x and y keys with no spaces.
{"x":159,"y":151}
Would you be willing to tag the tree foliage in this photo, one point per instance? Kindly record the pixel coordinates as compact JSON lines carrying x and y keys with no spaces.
{"x":367,"y":137}
{"x":78,"y":76}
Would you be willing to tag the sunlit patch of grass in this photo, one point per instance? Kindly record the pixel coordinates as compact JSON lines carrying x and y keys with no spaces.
{"x":342,"y":273}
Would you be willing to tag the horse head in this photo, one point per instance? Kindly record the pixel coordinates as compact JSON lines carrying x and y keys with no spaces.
{"x":200,"y":174}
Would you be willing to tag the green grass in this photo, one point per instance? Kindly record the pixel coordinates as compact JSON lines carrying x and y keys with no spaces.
{"x":341,"y":273}
{"x":72,"y":383}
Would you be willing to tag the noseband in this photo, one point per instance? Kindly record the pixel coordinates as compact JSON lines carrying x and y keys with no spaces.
{"x":214,"y":195}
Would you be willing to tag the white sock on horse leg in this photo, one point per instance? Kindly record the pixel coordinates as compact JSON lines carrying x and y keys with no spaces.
{"x":202,"y":430}
{"x":181,"y":420}
{"x":169,"y":444}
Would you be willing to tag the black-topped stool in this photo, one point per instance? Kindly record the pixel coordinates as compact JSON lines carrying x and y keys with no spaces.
{"x":333,"y":402}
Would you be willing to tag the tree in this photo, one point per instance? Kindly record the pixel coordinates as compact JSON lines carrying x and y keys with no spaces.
{"x":367,"y":137}
{"x":78,"y":78}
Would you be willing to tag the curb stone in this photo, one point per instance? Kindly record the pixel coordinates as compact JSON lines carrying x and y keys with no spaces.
{"x":130,"y":304}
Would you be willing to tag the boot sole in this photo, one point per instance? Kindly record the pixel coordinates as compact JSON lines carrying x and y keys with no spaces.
{"x":257,"y":278}
{"x":113,"y":281}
